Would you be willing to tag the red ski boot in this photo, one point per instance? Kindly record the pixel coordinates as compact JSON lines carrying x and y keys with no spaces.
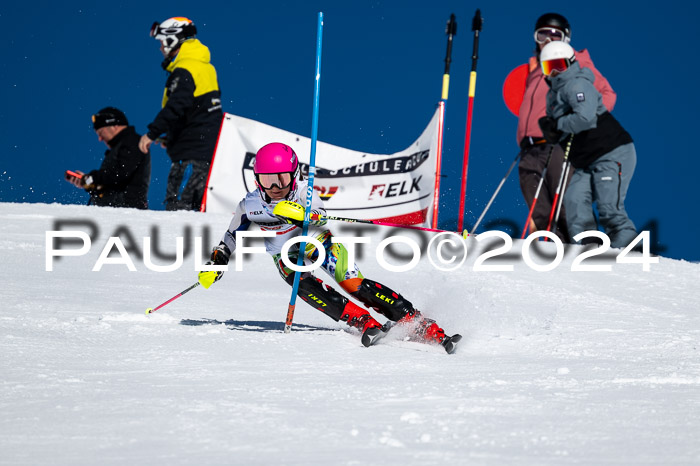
{"x":427,"y":331}
{"x":360,"y":318}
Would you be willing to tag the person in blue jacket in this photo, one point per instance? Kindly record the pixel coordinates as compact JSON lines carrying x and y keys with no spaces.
{"x":602,"y":151}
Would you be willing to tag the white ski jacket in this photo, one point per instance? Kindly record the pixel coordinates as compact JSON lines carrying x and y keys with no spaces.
{"x":254,"y":209}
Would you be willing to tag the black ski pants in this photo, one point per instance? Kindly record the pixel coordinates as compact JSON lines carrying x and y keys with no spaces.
{"x":186,"y":184}
{"x":532,"y":161}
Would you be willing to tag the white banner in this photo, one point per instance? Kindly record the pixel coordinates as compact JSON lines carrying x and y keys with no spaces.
{"x":397,"y":188}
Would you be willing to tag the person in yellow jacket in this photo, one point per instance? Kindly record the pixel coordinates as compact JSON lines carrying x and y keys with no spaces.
{"x":191,"y":112}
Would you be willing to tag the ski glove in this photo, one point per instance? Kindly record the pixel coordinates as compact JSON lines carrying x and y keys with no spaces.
{"x":209,"y":277}
{"x":290,"y":212}
{"x":548,"y":125}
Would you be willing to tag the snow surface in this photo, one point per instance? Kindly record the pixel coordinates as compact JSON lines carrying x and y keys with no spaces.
{"x":556,"y":367}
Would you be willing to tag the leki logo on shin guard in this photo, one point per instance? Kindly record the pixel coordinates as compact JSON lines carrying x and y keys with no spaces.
{"x":317,"y":300}
{"x":384,"y":298}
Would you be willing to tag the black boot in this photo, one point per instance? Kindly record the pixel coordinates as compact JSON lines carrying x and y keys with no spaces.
{"x":383,"y":300}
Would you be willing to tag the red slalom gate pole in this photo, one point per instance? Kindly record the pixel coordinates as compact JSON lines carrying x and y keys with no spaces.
{"x":477,"y":23}
{"x":377,"y":222}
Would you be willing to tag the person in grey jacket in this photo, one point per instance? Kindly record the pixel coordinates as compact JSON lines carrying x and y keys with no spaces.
{"x":602,"y":152}
{"x":534,"y":149}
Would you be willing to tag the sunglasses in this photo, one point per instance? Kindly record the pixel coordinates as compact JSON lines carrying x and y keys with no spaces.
{"x":556,"y":64}
{"x":268,"y":180}
{"x":543,"y":35}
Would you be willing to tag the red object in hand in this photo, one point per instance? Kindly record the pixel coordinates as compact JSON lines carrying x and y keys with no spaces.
{"x":74,"y":178}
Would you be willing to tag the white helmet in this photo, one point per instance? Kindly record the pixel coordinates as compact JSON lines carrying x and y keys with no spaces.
{"x":556,"y":56}
{"x":173,"y":31}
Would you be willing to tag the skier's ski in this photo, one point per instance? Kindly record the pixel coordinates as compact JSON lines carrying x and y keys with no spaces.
{"x":372,"y":335}
{"x":450,"y":343}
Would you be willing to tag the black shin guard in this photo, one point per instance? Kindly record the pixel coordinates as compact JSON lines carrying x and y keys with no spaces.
{"x":322,"y":297}
{"x":383,"y":299}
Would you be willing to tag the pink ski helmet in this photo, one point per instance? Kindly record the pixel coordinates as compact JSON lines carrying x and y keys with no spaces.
{"x":276,"y":158}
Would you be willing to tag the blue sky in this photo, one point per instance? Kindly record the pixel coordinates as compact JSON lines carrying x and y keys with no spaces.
{"x":381,"y":80}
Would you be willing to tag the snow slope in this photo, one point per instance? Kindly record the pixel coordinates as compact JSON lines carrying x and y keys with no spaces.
{"x":556,"y":367}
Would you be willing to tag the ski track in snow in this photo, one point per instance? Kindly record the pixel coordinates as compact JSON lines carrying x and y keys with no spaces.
{"x":555,"y":368}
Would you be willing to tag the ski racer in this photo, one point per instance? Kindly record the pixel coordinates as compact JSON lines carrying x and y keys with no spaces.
{"x":276,"y":206}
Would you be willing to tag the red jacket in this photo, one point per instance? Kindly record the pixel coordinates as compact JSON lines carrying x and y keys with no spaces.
{"x":534,"y":104}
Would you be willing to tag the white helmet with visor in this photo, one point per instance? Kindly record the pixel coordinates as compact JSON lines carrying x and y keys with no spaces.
{"x":556,"y":56}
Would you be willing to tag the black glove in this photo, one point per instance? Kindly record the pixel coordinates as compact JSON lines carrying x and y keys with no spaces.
{"x":220,"y":255}
{"x":548,"y":125}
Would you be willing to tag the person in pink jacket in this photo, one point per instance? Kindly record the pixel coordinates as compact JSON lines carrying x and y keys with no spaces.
{"x":534,"y":150}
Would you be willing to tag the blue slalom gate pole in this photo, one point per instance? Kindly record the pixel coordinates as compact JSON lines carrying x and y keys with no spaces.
{"x":312,"y":173}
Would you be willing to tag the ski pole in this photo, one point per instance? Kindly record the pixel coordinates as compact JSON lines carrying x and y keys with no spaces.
{"x":500,"y":185}
{"x":561,"y":200}
{"x":151,"y":310}
{"x":564,"y":170}
{"x":376,"y":222}
{"x":563,"y":183}
{"x":312,"y":173}
{"x":537,"y":193}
